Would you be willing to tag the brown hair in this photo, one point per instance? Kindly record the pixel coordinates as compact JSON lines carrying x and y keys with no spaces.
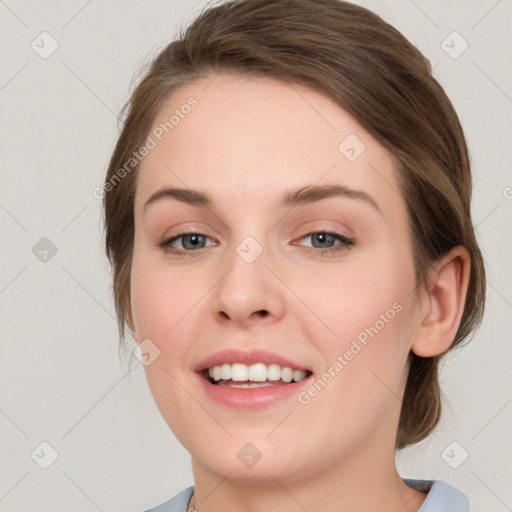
{"x":374,"y":73}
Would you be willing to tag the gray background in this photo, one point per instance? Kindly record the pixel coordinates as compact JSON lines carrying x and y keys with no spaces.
{"x":61,"y":378}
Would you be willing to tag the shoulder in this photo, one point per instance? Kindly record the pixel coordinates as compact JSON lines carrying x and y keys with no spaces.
{"x":441,"y":496}
{"x":178,"y":503}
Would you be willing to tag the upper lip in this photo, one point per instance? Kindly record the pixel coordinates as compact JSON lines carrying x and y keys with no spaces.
{"x":247,"y":357}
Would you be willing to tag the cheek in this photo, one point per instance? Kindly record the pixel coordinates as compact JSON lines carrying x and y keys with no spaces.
{"x":150,"y":301}
{"x":169,"y":307}
{"x":166,"y":309}
{"x":160,"y":296}
{"x":361,"y":299}
{"x":364,"y":327}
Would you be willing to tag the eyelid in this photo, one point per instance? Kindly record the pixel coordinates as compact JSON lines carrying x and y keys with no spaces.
{"x":167,"y":240}
{"x":326,"y":226}
{"x":329,"y":231}
{"x":345,"y":243}
{"x":178,"y":232}
{"x":346,"y":240}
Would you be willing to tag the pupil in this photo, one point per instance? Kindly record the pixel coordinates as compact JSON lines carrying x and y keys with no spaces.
{"x":323,"y":237}
{"x":193,"y":239}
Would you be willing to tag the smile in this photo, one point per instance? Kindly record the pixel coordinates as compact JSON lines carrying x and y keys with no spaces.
{"x":239,"y":375}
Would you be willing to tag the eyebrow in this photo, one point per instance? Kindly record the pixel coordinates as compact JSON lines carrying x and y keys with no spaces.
{"x":303,"y":195}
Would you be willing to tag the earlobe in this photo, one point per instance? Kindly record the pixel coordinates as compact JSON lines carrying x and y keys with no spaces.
{"x":444,"y":303}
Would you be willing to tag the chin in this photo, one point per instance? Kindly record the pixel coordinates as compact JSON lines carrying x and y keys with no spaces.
{"x":257,"y":463}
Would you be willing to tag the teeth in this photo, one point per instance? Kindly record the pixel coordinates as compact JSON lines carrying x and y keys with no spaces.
{"x":258,"y":372}
{"x":274,"y":372}
{"x":287,"y":374}
{"x":298,"y":375}
{"x":239,"y":372}
{"x":247,"y":385}
{"x":226,"y":371}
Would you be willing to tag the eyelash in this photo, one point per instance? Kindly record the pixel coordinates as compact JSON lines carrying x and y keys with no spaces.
{"x":346,"y":243}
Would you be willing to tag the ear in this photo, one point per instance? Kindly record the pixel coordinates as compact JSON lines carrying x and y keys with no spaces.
{"x":443,"y":304}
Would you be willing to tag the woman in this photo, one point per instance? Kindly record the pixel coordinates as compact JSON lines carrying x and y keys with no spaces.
{"x":288,"y":219}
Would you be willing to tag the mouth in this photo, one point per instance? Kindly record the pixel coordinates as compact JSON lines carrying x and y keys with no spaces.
{"x":259,"y":375}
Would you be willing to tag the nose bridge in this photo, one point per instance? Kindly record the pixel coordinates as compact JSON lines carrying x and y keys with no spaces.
{"x":248,"y":287}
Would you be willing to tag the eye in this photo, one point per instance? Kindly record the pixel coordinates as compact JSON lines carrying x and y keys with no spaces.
{"x":323,"y":242}
{"x":189,"y":241}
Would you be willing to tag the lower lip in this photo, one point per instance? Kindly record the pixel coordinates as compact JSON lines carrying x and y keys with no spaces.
{"x":239,"y":398}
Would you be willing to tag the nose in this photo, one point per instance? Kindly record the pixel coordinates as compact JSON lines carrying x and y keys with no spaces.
{"x":249,"y":292}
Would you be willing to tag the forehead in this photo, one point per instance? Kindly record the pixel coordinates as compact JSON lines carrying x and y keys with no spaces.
{"x":247,"y":137}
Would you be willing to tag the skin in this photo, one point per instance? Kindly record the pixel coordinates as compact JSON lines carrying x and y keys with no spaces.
{"x":246,"y":143}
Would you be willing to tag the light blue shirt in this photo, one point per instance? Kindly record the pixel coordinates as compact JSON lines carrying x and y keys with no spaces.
{"x":441,"y":497}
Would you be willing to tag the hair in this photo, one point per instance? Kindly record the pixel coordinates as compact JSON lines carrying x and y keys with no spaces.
{"x":373,"y":72}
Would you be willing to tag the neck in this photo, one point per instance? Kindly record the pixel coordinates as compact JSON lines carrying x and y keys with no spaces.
{"x":374,"y":486}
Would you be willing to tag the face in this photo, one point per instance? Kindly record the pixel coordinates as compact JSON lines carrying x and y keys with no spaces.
{"x":302,"y":257}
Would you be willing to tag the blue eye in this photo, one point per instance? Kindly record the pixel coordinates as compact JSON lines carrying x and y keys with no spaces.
{"x":326,"y":240}
{"x":192,"y":242}
{"x":189,"y":241}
